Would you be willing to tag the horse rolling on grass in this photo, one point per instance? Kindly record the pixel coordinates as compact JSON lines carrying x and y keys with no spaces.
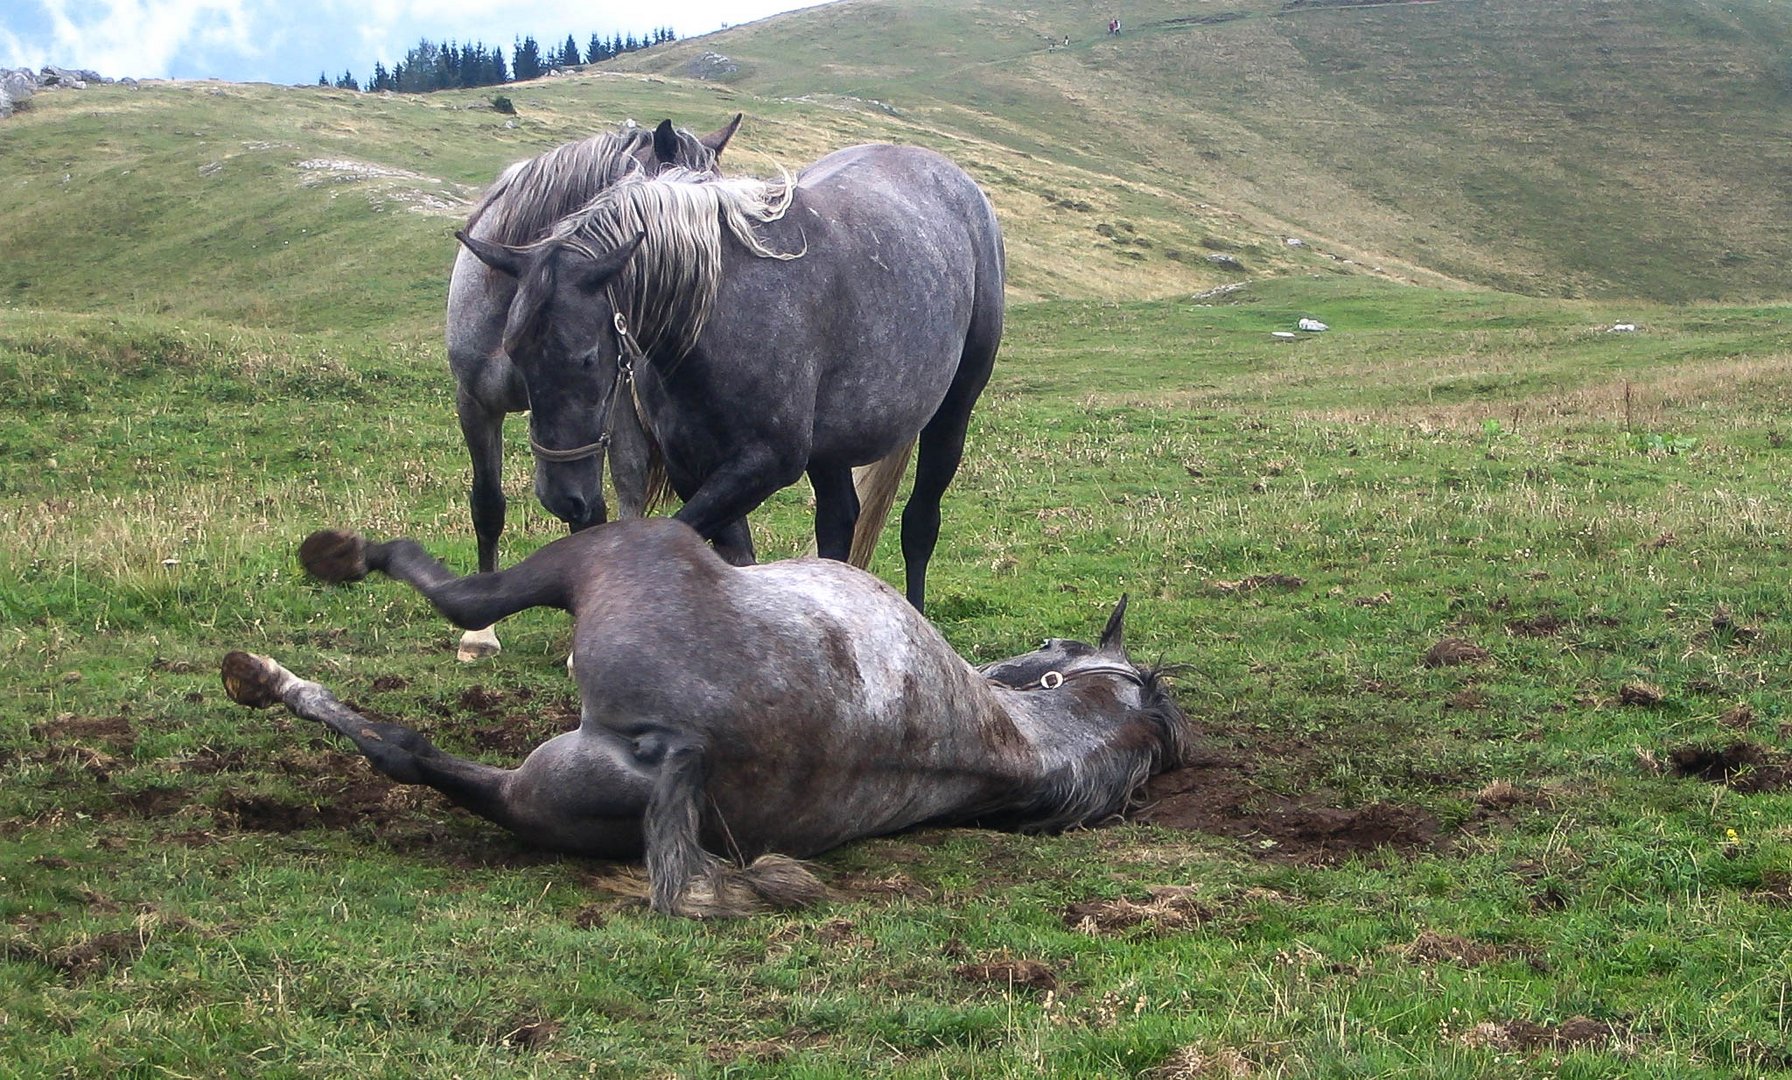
{"x":768,"y":712}
{"x":759,"y":330}
{"x":524,"y":204}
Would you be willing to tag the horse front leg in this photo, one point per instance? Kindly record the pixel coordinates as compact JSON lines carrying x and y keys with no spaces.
{"x":483,"y":429}
{"x":544,"y":579}
{"x":719,"y":506}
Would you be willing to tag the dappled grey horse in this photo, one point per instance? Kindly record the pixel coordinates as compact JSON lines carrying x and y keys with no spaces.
{"x":525,"y":202}
{"x":760,"y":330}
{"x":761,"y":712}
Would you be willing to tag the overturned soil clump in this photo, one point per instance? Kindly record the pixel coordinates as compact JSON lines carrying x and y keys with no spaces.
{"x":1745,"y":767}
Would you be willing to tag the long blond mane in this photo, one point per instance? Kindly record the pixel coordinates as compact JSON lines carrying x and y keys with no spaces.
{"x":668,"y":289}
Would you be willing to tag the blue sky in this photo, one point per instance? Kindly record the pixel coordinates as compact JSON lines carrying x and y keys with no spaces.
{"x":291,"y":41}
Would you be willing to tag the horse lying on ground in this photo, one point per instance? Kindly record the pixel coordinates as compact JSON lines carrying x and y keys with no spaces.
{"x":761,"y":711}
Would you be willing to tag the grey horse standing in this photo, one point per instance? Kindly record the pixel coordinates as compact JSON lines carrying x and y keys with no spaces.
{"x":760,"y":330}
{"x":775,"y":710}
{"x":525,"y":202}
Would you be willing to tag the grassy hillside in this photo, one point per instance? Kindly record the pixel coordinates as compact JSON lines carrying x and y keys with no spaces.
{"x":1600,"y":148}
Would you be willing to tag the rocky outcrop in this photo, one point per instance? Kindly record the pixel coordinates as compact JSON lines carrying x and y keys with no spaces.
{"x":17,"y":85}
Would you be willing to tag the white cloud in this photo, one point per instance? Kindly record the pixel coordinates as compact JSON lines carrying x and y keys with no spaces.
{"x":143,"y":37}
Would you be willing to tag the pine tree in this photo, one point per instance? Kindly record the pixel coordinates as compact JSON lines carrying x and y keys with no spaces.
{"x":597,"y":50}
{"x":526,"y":60}
{"x":569,"y":53}
{"x":347,"y":82}
{"x":322,"y":79}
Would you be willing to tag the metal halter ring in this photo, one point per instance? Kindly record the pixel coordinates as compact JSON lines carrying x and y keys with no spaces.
{"x":1051,"y":680}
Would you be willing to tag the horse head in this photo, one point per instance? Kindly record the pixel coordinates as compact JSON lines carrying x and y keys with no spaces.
{"x":572,"y":349}
{"x":677,"y":148}
{"x":1057,"y":658}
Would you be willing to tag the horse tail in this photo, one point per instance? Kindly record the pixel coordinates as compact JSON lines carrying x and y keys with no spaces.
{"x":876,"y":485}
{"x":686,"y":880}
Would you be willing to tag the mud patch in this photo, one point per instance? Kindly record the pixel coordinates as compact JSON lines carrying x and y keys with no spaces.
{"x":79,"y":960}
{"x":113,"y":732}
{"x":1216,"y":796}
{"x":153,"y":802}
{"x":1537,"y":626}
{"x":1745,"y":767}
{"x":387,"y":683}
{"x":531,"y":1034}
{"x":1454,"y":652}
{"x":1029,"y":975}
{"x":328,"y":807}
{"x":764,"y":1051}
{"x":1431,"y":947}
{"x":1168,"y":908}
{"x":1530,"y":1036}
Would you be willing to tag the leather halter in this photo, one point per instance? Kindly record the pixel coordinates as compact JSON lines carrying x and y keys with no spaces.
{"x":1052,"y":680}
{"x":627,"y":352}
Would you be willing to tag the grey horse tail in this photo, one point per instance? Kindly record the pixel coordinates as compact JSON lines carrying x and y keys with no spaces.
{"x":876,"y":486}
{"x":686,"y":880}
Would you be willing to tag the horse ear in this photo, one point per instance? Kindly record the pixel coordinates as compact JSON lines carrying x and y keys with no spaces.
{"x":505,"y":260}
{"x":718,"y":138}
{"x":591,"y":274}
{"x":1113,"y":636}
{"x":665,"y":143}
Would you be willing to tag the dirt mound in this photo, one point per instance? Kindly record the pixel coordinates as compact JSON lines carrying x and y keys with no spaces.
{"x":1010,"y":974}
{"x":112,"y":732}
{"x":1742,"y":766}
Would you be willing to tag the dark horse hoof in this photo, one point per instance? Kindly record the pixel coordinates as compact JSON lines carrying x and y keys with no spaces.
{"x":334,"y":556}
{"x":250,"y":680}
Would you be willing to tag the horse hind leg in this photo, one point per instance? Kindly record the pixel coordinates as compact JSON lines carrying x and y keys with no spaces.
{"x":398,"y":752}
{"x":689,"y":881}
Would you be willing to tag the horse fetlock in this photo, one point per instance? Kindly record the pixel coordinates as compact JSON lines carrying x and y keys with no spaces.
{"x":254,"y":681}
{"x":334,"y":556}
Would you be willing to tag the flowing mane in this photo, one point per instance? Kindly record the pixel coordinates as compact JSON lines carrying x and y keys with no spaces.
{"x":531,"y":196}
{"x":668,"y":289}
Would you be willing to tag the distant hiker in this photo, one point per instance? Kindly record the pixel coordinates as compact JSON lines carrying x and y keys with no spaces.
{"x":1066,"y":44}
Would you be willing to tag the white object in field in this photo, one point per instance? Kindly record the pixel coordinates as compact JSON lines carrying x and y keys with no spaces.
{"x":1285,"y":335}
{"x":1312,"y":326}
{"x":1622,"y":328}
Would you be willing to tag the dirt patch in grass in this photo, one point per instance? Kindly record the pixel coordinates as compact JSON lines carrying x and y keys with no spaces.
{"x":1167,"y":908}
{"x":78,"y":960}
{"x":1006,"y":973}
{"x":1537,"y":626}
{"x":765,"y":1051}
{"x":865,"y":885}
{"x":1215,"y":794}
{"x":1453,"y":652}
{"x":1743,"y":766}
{"x":531,"y":1034}
{"x":113,"y":732}
{"x":1530,"y":1036}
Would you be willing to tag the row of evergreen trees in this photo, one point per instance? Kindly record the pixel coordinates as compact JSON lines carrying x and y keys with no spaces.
{"x":429,"y":66}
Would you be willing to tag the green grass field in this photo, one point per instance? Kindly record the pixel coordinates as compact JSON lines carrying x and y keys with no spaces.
{"x":1483,"y":606}
{"x":194,"y":889}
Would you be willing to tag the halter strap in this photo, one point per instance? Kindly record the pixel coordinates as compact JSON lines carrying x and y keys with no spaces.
{"x":1052,"y":680}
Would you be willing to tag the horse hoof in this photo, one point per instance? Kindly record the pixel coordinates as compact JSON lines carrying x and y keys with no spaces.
{"x":334,"y":556}
{"x":251,"y":680}
{"x":478,"y":645}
